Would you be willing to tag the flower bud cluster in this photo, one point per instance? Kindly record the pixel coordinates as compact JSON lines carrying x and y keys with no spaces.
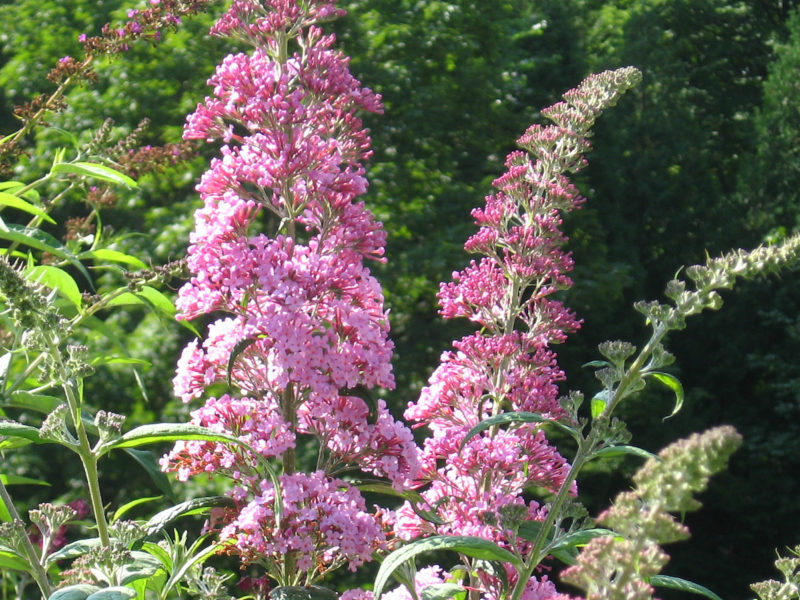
{"x":620,"y":566}
{"x":301,"y":319}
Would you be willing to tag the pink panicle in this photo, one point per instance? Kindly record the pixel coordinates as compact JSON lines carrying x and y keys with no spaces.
{"x":298,"y":321}
{"x":510,"y":365}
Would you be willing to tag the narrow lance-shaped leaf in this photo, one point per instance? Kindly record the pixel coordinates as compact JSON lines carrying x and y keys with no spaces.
{"x":21,"y":480}
{"x":514,"y":417}
{"x":676,"y":583}
{"x":166,"y":432}
{"x":163,"y":518}
{"x":86,"y":169}
{"x":18,"y":203}
{"x":611,"y":451}
{"x":471,"y":546}
{"x":106,"y":255}
{"x":41,"y":240}
{"x":14,"y":429}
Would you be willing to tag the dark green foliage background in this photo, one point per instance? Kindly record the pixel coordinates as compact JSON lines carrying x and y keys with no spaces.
{"x":702,"y":157}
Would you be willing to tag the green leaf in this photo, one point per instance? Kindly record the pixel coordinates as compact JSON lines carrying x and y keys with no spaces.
{"x":119,"y":360}
{"x":38,"y":402}
{"x":12,"y":187}
{"x":14,"y":202}
{"x":147,"y":296}
{"x":513,"y":417}
{"x":624,"y":449}
{"x":598,"y":364}
{"x":106,"y":255}
{"x":158,"y":301}
{"x":20,"y":480}
{"x":41,"y":240}
{"x":160,"y":554}
{"x":293,"y":592}
{"x":5,"y":515}
{"x":144,"y":565}
{"x":56,"y":279}
{"x":442,"y":591}
{"x":73,"y":550}
{"x":672,"y":383}
{"x":598,"y":404}
{"x":166,"y":432}
{"x":676,"y":583}
{"x":122,"y":510}
{"x":240,"y":347}
{"x":149,"y":463}
{"x":80,"y":591}
{"x":471,"y":546}
{"x":581,"y":538}
{"x":12,"y":560}
{"x":86,"y":169}
{"x":165,"y":517}
{"x":529,"y":530}
{"x":113,"y":593}
{"x":14,"y":429}
{"x":414,"y":498}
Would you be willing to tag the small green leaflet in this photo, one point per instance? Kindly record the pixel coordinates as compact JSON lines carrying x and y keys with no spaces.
{"x":599,"y":403}
{"x":86,"y":169}
{"x":672,"y":383}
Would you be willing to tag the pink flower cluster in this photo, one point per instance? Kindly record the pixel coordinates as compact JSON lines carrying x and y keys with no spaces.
{"x":510,"y":365}
{"x":301,"y":321}
{"x":323,"y":522}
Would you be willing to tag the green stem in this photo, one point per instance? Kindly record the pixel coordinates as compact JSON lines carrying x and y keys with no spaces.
{"x":89,"y":461}
{"x":37,"y":571}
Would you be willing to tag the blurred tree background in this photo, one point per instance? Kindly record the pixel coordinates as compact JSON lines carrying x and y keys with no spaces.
{"x":702,"y":157}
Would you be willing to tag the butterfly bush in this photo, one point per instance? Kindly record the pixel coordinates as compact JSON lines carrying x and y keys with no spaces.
{"x":298,"y":321}
{"x":478,"y":482}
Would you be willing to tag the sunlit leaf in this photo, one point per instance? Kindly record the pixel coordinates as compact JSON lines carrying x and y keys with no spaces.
{"x":165,"y":517}
{"x":166,"y":432}
{"x":41,"y":240}
{"x":104,"y":254}
{"x":672,"y":383}
{"x":18,"y":203}
{"x":125,"y":508}
{"x":56,"y":279}
{"x":676,"y":583}
{"x":21,"y":480}
{"x":86,"y":169}
{"x":468,"y":545}
{"x":624,"y":449}
{"x":514,"y":417}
